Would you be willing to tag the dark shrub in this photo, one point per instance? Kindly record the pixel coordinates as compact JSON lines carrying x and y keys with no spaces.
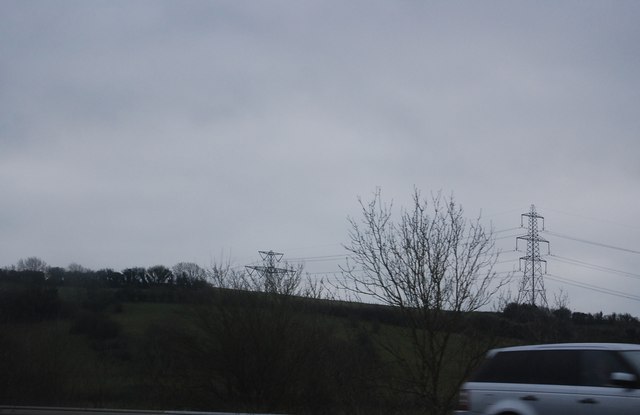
{"x":96,"y":326}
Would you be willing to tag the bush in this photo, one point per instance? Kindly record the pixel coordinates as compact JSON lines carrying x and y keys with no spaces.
{"x":29,"y":304}
{"x":96,"y":326}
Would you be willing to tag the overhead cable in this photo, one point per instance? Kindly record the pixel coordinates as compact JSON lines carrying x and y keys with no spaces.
{"x":592,"y":287}
{"x":579,"y":263}
{"x":632,"y":251}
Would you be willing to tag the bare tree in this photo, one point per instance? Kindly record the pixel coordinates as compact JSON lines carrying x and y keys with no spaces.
{"x":32,"y":264}
{"x":223,"y":275}
{"x":189,"y":273}
{"x":279,"y":281}
{"x":258,"y":341}
{"x":75,"y":267}
{"x":159,"y":274}
{"x":285,"y":280}
{"x":134,"y":276}
{"x":435,"y":266}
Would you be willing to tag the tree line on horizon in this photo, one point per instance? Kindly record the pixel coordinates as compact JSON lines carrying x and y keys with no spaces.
{"x":181,"y":274}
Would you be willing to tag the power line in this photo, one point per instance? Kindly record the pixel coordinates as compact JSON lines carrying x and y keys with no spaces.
{"x":509,"y":229}
{"x":584,"y":264}
{"x":503,"y":212}
{"x":592,"y":287}
{"x":592,"y":219}
{"x":506,"y":237}
{"x":508,"y":260}
{"x":632,"y":251}
{"x":336,"y":274}
{"x":320,"y":258}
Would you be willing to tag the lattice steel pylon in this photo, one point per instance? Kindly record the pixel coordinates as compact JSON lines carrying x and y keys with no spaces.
{"x":532,"y":284}
{"x":272,"y":276}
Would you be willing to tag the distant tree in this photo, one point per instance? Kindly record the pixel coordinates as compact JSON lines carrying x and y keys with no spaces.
{"x":159,"y":274}
{"x":282,"y":281}
{"x":75,"y":267}
{"x":538,"y":324}
{"x":29,"y":277}
{"x":32,"y":264}
{"x":134,"y":276}
{"x":582,"y":318}
{"x":285,"y":281}
{"x":56,"y":275}
{"x":110,"y":277}
{"x":562,"y":313}
{"x":435,"y":267}
{"x":259,"y":343}
{"x":627,"y":318}
{"x":189,"y":273}
{"x":524,"y":313}
{"x":222,"y":275}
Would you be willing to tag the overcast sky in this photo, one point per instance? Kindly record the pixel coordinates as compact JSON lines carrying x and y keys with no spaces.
{"x":136,"y":133}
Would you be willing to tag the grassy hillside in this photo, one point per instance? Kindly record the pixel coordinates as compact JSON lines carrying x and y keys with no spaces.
{"x":201,"y":348}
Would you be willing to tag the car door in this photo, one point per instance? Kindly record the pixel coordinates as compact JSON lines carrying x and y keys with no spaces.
{"x":608,"y":400}
{"x":530,"y":382}
{"x":554,"y":374}
{"x":599,"y":393}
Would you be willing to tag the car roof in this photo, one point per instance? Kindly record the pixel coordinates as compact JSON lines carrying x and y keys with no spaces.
{"x":569,"y":346}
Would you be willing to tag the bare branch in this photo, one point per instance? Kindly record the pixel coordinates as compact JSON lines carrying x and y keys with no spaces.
{"x":436,"y":267}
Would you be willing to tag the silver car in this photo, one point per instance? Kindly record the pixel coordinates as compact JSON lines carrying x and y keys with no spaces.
{"x":556,"y":379}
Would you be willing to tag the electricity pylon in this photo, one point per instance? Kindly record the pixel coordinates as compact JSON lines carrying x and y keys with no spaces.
{"x":272,"y":276}
{"x":532,"y":284}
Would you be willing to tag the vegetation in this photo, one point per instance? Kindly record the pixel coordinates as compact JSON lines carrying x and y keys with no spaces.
{"x":434,"y":267}
{"x":87,"y":338}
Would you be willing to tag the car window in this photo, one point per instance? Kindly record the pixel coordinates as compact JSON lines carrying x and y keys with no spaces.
{"x":633,"y":357}
{"x":504,"y":367}
{"x":552,"y":367}
{"x":555,"y":367}
{"x":598,"y":365}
